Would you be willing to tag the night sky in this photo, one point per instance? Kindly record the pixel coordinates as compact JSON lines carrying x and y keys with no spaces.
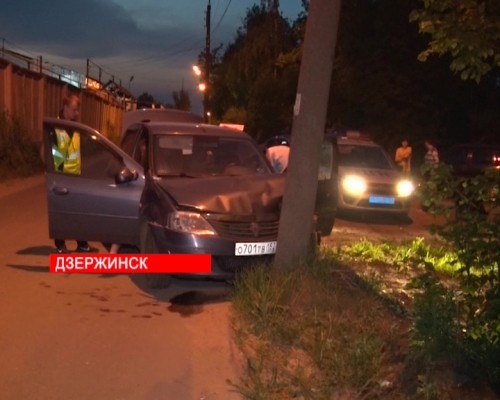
{"x":155,"y":41}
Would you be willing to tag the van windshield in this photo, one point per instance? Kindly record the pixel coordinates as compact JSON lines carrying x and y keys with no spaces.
{"x":363,"y":157}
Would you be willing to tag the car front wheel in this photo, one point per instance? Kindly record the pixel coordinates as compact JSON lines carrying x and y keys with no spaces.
{"x":325,"y":225}
{"x":148,"y":246}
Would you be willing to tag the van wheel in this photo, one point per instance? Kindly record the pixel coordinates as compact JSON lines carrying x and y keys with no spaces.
{"x":325,"y":225}
{"x":148,"y":246}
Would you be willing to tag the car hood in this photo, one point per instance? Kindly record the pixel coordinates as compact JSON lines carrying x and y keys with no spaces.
{"x":242,"y":195}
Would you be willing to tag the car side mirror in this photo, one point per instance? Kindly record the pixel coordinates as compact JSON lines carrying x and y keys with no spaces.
{"x":125,"y":176}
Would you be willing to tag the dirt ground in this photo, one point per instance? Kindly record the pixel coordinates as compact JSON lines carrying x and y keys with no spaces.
{"x":385,"y":227}
{"x":380,"y":227}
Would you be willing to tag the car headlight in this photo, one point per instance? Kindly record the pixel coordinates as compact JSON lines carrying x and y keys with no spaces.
{"x":354,"y":185}
{"x":189,"y":222}
{"x":405,"y":188}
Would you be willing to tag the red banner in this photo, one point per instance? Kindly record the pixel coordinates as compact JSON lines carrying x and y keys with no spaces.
{"x":131,"y":263}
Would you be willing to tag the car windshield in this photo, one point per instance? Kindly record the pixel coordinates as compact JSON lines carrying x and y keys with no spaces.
{"x":199,"y":156}
{"x":363,"y":157}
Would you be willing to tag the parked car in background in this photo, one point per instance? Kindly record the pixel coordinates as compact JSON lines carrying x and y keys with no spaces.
{"x":368,"y":178}
{"x":472,"y":159}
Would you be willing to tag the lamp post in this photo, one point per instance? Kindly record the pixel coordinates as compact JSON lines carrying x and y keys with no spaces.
{"x":204,"y":75}
{"x":206,"y":98}
{"x":202,"y":87}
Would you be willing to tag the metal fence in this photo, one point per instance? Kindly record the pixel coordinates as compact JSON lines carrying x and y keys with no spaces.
{"x":29,"y":93}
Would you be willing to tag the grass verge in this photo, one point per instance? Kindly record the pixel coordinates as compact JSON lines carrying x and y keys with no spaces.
{"x":312,"y":333}
{"x":323,"y":331}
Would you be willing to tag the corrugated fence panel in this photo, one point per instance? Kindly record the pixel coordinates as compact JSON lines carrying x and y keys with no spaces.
{"x":29,"y":97}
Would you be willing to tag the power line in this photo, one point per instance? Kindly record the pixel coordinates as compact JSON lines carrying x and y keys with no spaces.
{"x":222,"y":17}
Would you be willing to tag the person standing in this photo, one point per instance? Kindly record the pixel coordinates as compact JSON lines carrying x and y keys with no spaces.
{"x":431,"y":158}
{"x":66,"y":153}
{"x":277,"y":156}
{"x":403,"y":157}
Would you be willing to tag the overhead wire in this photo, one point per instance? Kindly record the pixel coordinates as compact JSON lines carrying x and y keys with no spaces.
{"x":222,"y":17}
{"x":173,"y":53}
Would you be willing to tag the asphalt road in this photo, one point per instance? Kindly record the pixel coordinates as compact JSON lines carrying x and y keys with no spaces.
{"x":73,"y":337}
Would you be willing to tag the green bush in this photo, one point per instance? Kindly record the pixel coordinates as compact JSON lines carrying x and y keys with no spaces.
{"x":19,"y":152}
{"x":467,"y":318}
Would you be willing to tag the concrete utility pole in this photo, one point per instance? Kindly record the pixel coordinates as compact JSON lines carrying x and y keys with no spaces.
{"x":208,"y":61}
{"x":308,"y":129}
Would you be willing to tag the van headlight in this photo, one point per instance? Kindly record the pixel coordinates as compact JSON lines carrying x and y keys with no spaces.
{"x":354,"y":185}
{"x":189,"y":222}
{"x":405,"y":188}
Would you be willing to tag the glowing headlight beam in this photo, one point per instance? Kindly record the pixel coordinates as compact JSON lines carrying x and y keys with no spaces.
{"x":405,"y":188}
{"x":354,"y":185}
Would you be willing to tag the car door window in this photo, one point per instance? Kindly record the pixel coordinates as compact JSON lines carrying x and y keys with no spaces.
{"x":93,"y":158}
{"x":98,"y":162}
{"x":141,"y":151}
{"x":128,"y":142}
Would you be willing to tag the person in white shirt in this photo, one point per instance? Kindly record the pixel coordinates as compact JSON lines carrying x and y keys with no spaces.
{"x":278,"y":157}
{"x":431,"y":158}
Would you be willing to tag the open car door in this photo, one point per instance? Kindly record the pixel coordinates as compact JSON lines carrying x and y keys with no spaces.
{"x":96,"y":196}
{"x":327,"y":192}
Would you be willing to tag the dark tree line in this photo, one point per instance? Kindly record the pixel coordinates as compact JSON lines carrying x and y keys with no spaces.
{"x":378,"y":83}
{"x":181,"y":101}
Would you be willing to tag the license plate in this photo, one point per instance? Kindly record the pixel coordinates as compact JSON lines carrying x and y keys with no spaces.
{"x":381,"y":200}
{"x":254,"y":249}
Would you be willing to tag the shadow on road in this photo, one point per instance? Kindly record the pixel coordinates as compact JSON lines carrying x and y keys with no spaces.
{"x":30,"y":268}
{"x":186,"y":296}
{"x":37,"y":251}
{"x":378,"y":218}
{"x":47,"y":251}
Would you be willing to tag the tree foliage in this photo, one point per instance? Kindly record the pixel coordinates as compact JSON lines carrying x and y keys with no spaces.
{"x":471,"y":207}
{"x":248,"y":78}
{"x":181,"y":100}
{"x":145,"y":100}
{"x":468,"y":30}
{"x":378,"y":84}
{"x":19,"y":152}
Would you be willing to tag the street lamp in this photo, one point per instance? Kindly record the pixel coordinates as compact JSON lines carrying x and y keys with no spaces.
{"x":197,"y":70}
{"x":203,"y":88}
